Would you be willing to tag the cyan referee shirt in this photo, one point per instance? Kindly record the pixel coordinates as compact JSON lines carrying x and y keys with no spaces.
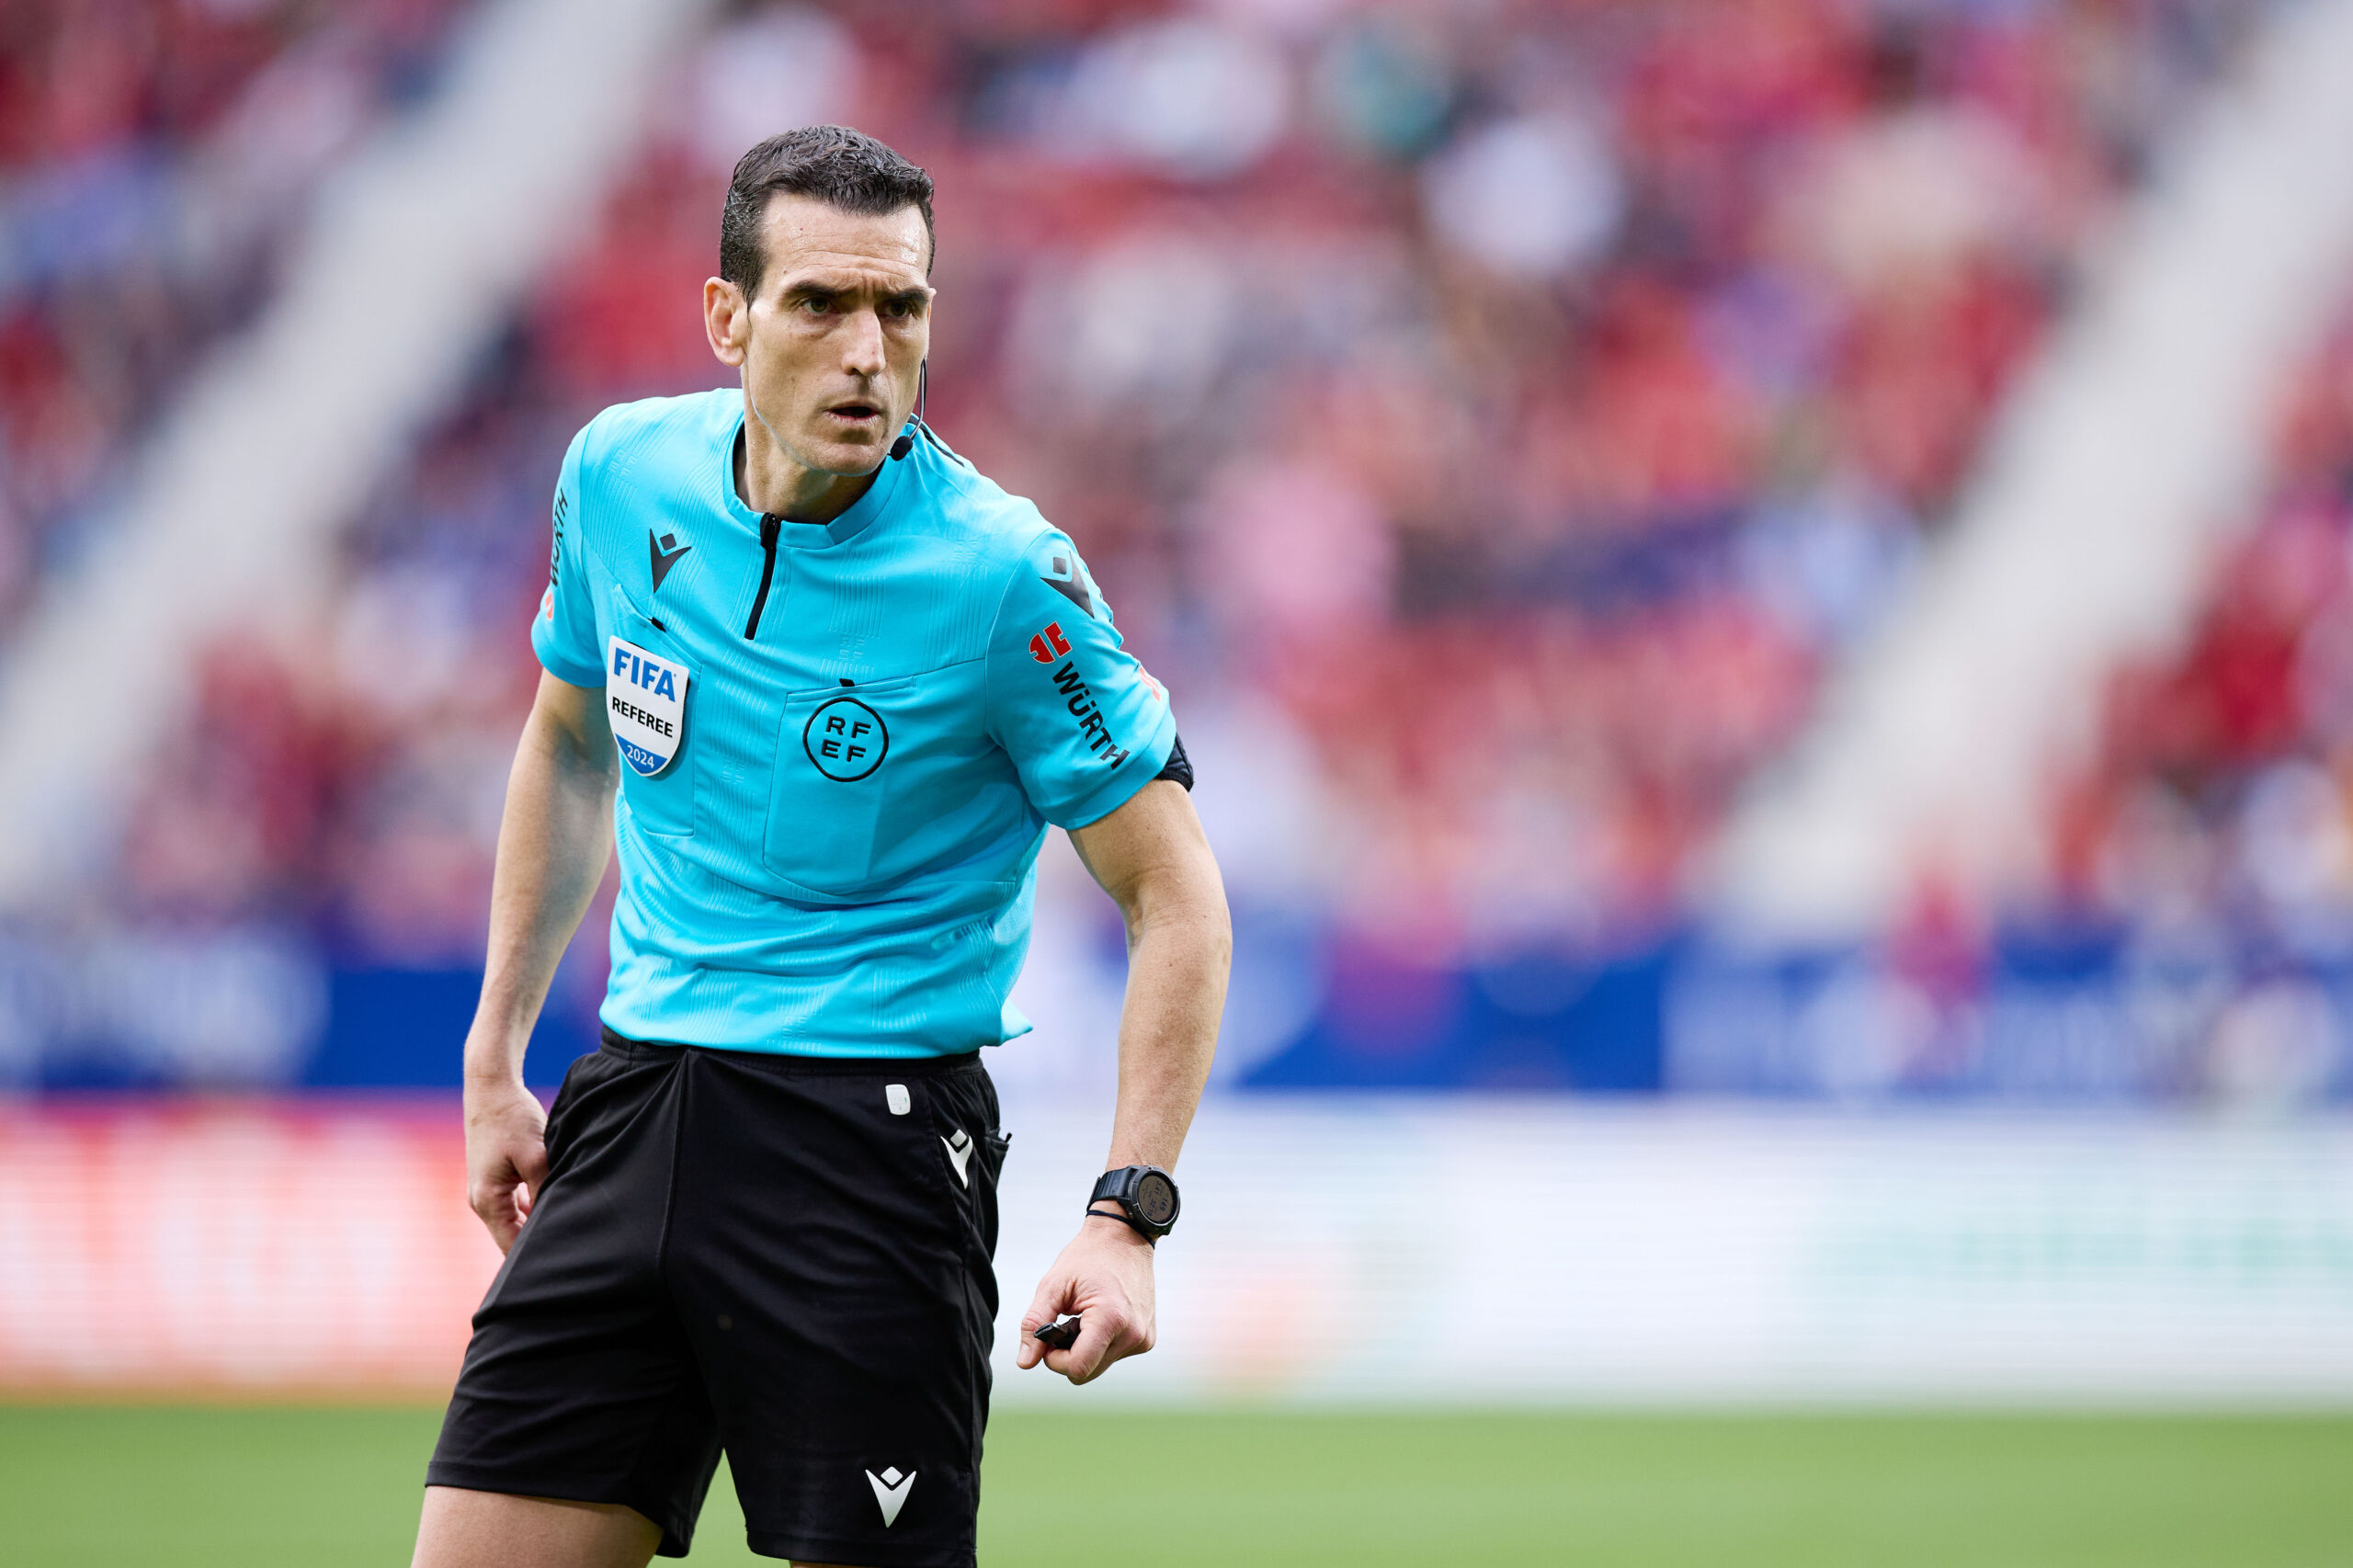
{"x":841,"y":743}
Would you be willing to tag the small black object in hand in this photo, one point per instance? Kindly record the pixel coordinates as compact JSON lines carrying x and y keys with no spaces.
{"x":1058,"y":1335}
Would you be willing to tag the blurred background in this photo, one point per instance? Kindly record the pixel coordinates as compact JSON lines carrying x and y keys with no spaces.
{"x":1761,"y":590}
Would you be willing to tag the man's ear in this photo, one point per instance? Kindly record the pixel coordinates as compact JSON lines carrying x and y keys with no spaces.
{"x":726,"y":319}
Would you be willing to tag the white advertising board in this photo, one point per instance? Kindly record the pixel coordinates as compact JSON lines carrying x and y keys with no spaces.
{"x":1331,"y":1251}
{"x":1415,"y":1250}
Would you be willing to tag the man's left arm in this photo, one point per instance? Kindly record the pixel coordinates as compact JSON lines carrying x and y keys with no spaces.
{"x":1150,"y":856}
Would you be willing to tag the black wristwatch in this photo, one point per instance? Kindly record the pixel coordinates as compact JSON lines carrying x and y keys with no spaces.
{"x":1147,"y":1196}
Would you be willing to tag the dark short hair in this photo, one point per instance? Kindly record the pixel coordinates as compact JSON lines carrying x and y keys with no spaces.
{"x":845,"y":169}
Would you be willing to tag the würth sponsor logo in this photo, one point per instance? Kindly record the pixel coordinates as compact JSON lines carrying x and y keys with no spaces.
{"x":1083,"y":707}
{"x":1049,"y":644}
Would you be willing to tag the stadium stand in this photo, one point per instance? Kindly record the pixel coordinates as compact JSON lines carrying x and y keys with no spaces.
{"x":1725,"y":311}
{"x":154,"y":154}
{"x":2190,"y":933}
{"x":2212,"y":834}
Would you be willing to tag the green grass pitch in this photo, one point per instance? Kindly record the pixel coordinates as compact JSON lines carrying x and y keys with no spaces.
{"x":86,"y":1486}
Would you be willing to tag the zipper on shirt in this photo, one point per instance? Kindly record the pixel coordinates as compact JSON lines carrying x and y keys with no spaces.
{"x":768,"y":527}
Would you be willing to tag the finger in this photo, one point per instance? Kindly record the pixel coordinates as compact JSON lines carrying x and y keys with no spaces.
{"x":531,"y":1162}
{"x":1098,"y":1331}
{"x":493,"y":1201}
{"x":1067,"y":1364}
{"x":1045,"y":1307}
{"x":1053,"y":1296}
{"x":1027,"y":1350}
{"x":501,"y":1224}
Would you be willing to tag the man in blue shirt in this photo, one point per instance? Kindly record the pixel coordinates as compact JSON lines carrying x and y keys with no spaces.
{"x":844,"y":682}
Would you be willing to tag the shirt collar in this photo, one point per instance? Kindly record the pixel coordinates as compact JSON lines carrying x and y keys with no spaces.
{"x":861,"y":513}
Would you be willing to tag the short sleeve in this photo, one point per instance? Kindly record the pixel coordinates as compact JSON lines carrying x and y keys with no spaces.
{"x":564,"y":634}
{"x":1084,"y":724}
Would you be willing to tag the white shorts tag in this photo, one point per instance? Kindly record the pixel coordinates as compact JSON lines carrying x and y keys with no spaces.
{"x":646,"y":698}
{"x":896,"y":1096}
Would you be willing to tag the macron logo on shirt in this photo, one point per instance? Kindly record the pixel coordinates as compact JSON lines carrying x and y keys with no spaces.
{"x":666,"y":553}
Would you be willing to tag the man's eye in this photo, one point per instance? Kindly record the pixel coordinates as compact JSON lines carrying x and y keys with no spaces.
{"x":816,"y":304}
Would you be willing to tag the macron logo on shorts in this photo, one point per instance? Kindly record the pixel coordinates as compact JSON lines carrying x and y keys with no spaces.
{"x":890,"y":1491}
{"x":960,"y":1154}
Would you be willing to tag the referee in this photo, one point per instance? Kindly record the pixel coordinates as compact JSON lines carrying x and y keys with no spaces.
{"x":843,"y":683}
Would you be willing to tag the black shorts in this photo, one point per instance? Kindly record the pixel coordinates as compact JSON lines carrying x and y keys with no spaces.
{"x":785,"y":1258}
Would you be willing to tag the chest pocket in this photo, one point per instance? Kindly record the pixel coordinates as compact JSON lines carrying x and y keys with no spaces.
{"x":836,"y":769}
{"x":664,"y":806}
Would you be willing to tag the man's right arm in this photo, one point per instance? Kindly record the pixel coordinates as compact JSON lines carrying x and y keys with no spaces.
{"x":553,"y":843}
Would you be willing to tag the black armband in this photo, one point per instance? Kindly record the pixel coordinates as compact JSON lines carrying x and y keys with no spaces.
{"x":1180,"y":766}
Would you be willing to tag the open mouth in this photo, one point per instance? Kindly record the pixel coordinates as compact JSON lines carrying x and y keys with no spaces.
{"x":855,"y":413}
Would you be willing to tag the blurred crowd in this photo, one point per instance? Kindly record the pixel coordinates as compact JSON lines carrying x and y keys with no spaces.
{"x":2192,"y":936}
{"x":154,"y":155}
{"x":2215,"y":828}
{"x":1515,"y":408}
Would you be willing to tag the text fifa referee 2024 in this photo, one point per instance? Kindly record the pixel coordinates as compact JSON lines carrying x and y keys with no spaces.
{"x":823,"y":687}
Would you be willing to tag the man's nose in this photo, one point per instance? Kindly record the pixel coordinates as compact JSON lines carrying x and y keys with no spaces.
{"x":862,"y":348}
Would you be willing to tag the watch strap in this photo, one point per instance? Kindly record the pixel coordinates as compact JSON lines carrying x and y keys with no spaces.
{"x":1124,"y":1218}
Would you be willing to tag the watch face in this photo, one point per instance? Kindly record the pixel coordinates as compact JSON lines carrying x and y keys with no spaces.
{"x":1156,"y":1199}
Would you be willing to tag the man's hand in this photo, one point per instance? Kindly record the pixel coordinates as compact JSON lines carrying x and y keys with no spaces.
{"x":507,"y":1155}
{"x":1105,"y":1275}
